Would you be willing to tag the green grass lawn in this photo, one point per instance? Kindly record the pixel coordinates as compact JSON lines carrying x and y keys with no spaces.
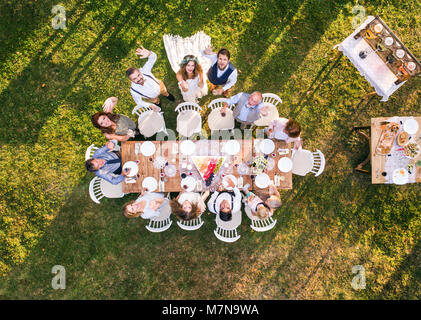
{"x":52,"y":81}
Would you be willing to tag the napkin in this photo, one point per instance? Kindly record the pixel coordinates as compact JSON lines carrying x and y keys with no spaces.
{"x":130,"y":180}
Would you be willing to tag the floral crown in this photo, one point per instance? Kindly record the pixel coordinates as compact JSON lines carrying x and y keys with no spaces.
{"x":187,"y":59}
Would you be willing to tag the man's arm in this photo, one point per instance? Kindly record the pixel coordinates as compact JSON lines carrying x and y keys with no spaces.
{"x":231,"y":101}
{"x":112,"y":136}
{"x":212,"y":201}
{"x":100,"y":151}
{"x":110,"y":177}
{"x":147,"y":67}
{"x":210,"y":55}
{"x":237,"y":200}
{"x":232,"y":79}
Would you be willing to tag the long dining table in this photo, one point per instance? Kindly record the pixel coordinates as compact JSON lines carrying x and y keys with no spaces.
{"x":171,"y":154}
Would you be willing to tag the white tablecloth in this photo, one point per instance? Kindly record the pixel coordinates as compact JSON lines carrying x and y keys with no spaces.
{"x":372,"y":67}
{"x":150,"y":122}
{"x":218,"y":122}
{"x":272,"y":114}
{"x":188,"y":123}
{"x":397,"y":158}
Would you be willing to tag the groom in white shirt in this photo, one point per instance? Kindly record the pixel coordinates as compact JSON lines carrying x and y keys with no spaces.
{"x":145,"y":88}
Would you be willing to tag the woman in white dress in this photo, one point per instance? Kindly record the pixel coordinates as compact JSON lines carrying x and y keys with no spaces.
{"x":190,"y":79}
{"x":178,"y":48}
{"x":148,"y":205}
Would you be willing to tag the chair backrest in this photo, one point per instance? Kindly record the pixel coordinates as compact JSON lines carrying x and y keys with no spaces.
{"x":90,"y":151}
{"x":318,"y":162}
{"x":271,"y":98}
{"x":95,"y":191}
{"x":190,"y":225}
{"x":186,"y":106}
{"x":140,"y":109}
{"x":218,"y":103}
{"x":159,"y":225}
{"x":302,"y":162}
{"x":162,"y":222}
{"x":226,"y":235}
{"x":260,"y":225}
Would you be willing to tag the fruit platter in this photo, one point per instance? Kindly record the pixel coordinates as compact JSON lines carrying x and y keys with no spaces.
{"x":208,"y":167}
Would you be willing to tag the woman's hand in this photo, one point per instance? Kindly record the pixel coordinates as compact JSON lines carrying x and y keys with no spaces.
{"x":184,"y":85}
{"x":109,"y":104}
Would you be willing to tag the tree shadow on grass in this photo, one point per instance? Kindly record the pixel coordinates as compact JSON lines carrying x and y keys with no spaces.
{"x":301,"y":34}
{"x":43,"y":84}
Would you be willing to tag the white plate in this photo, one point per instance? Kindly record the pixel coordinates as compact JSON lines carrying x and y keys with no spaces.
{"x":190,"y":182}
{"x":147,"y":148}
{"x":187,"y":147}
{"x":225,"y":181}
{"x":398,"y":177}
{"x":150,"y":183}
{"x":267,"y":146}
{"x":134,"y":168}
{"x":410,"y":126}
{"x":170,"y":170}
{"x":232,"y":147}
{"x":262,"y":180}
{"x":285,"y":164}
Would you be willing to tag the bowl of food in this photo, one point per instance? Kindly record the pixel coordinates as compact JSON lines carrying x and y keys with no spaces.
{"x":411,"y":150}
{"x":403,"y":138}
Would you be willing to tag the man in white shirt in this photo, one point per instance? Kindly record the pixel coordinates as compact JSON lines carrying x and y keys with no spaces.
{"x":222,"y":74}
{"x":145,"y":88}
{"x":225,"y":203}
{"x":249,"y":107}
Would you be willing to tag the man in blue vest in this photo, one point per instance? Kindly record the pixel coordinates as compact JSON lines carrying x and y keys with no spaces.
{"x":222,"y":74}
{"x":144,"y":84}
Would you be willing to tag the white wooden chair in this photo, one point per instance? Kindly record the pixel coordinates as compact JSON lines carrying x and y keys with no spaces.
{"x":304,"y":161}
{"x":227,"y":230}
{"x":215,"y":106}
{"x":95,"y":191}
{"x":271,"y":100}
{"x":99,"y":188}
{"x":186,"y":109}
{"x":163,"y":221}
{"x":318,"y":163}
{"x":90,"y":151}
{"x":191,"y":225}
{"x":259,"y":225}
{"x":142,"y":111}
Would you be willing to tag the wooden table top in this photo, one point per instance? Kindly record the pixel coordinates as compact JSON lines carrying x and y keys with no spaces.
{"x":379,"y":162}
{"x":166,"y":150}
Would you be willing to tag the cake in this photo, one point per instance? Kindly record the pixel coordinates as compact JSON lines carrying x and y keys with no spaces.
{"x":208,"y":166}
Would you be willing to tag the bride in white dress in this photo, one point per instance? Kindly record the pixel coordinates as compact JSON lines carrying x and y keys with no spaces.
{"x":184,"y":55}
{"x":190,"y":79}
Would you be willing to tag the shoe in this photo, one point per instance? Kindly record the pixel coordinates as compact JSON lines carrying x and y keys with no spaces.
{"x":170,"y":97}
